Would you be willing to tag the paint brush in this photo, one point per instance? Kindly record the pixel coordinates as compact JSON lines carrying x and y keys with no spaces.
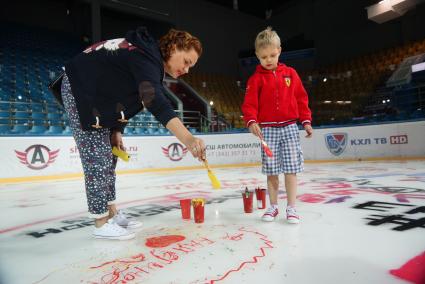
{"x":121,"y":154}
{"x":214,"y":181}
{"x":269,"y":152}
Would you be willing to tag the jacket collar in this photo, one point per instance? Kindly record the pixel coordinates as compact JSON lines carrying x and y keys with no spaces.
{"x":261,"y":69}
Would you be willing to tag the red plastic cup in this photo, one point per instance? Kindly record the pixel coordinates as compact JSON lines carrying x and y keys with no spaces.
{"x":247,"y":201}
{"x":185,"y":207}
{"x":260,"y":193}
{"x":198,"y":212}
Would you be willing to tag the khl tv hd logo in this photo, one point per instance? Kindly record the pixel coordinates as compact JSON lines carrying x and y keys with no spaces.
{"x":336,"y":142}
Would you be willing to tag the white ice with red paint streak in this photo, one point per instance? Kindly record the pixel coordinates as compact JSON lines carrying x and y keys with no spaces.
{"x":45,"y":237}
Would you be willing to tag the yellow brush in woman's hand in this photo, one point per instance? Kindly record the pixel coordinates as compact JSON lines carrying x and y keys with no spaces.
{"x":215,"y":182}
{"x":120,"y":154}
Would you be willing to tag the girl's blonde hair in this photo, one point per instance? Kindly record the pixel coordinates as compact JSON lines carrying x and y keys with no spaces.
{"x":267,"y":37}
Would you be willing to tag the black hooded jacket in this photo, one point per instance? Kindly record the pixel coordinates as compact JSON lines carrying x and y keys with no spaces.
{"x":117,"y":78}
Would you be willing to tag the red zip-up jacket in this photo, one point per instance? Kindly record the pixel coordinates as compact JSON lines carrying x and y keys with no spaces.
{"x":275,"y":98}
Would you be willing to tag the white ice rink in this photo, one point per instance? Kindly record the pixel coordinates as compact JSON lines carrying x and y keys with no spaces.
{"x":361,"y":222}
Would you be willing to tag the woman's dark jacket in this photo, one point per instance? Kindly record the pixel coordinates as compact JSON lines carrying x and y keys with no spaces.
{"x":119,"y":77}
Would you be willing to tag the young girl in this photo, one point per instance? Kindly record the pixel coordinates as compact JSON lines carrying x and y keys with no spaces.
{"x":275,"y":100}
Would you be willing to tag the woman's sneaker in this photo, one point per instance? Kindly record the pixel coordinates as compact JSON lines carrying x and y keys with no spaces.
{"x":270,"y":215}
{"x":112,"y":231}
{"x":121,"y":219}
{"x":292,"y":216}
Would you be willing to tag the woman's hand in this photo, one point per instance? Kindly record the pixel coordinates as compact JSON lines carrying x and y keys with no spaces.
{"x":197,"y":148}
{"x":116,"y":140}
{"x":195,"y":145}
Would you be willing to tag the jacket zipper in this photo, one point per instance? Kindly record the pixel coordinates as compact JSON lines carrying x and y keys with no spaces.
{"x":277,"y":90}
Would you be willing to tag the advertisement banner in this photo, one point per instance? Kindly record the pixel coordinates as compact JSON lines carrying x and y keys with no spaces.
{"x":44,"y":156}
{"x":361,"y":142}
{"x":49,"y":156}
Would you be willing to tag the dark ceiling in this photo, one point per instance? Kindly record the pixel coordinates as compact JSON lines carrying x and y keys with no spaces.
{"x":259,"y":8}
{"x":252,"y":7}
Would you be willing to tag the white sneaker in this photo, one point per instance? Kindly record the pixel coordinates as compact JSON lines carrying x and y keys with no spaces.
{"x":270,"y":214}
{"x":112,"y":231}
{"x":292,"y":216}
{"x":121,"y":219}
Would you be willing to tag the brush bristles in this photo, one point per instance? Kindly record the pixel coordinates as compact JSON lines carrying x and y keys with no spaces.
{"x":215,"y":182}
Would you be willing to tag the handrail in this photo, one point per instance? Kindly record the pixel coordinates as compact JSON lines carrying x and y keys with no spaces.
{"x":206,"y":104}
{"x":174,"y":98}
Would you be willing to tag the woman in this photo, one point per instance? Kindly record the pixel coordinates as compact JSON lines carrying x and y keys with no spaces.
{"x":103,"y":87}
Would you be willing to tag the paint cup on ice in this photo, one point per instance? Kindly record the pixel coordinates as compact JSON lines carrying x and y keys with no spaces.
{"x":198,"y":209}
{"x":260,"y":194}
{"x":247,"y":197}
{"x":185,"y":208}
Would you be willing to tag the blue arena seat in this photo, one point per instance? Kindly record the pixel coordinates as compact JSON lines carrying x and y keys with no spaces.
{"x":140,"y":131}
{"x":4,"y":128}
{"x":55,"y":130}
{"x":37,"y":130}
{"x":128,"y":130}
{"x":67,"y":131}
{"x":152,"y":131}
{"x":163,"y":131}
{"x":19,"y":129}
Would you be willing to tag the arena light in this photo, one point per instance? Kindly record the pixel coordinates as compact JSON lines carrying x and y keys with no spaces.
{"x":325,"y":79}
{"x":327,"y":102}
{"x":387,"y":10}
{"x":211,"y":103}
{"x":418,"y":67}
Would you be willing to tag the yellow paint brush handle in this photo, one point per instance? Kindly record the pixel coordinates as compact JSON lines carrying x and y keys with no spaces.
{"x":120,"y":154}
{"x":214,"y":181}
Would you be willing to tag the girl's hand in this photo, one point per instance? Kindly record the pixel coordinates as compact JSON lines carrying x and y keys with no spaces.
{"x":309,"y":130}
{"x":255,"y":129}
